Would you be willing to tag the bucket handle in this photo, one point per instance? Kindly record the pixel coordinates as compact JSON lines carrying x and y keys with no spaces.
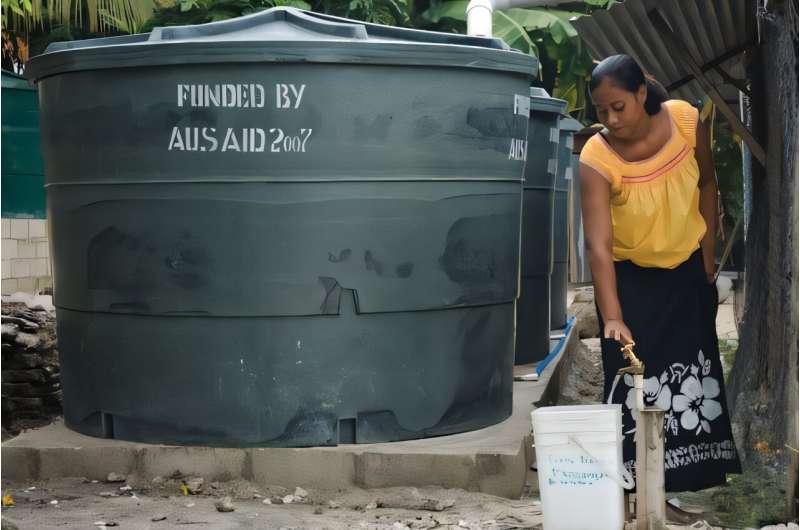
{"x":621,"y":476}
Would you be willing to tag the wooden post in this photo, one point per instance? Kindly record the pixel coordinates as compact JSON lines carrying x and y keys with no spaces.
{"x":641,"y":472}
{"x":650,"y":494}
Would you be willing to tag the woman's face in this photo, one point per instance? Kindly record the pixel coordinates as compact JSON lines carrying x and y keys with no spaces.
{"x":619,"y":110}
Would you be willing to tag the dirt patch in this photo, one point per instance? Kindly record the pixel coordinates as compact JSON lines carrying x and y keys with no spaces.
{"x":84,"y":504}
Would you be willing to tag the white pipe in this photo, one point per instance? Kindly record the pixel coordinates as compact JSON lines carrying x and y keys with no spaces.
{"x":638,"y":385}
{"x":479,"y":12}
{"x":479,"y":18}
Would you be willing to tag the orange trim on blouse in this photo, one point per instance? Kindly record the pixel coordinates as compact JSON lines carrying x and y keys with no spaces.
{"x":671,"y":164}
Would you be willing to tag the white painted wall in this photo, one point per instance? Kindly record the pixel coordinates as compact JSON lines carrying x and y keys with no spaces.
{"x":25,"y":256}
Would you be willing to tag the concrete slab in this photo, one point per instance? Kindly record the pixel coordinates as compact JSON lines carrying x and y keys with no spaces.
{"x":492,"y":460}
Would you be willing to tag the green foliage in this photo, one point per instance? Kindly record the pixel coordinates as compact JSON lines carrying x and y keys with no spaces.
{"x":15,"y":11}
{"x":453,"y":9}
{"x":391,"y":12}
{"x":186,"y":12}
{"x":18,"y":7}
{"x":727,"y":352}
{"x":728,"y":163}
{"x":125,"y":25}
{"x":508,"y":24}
{"x":754,"y":499}
{"x":92,"y":16}
{"x":543,"y":32}
{"x":30,"y":25}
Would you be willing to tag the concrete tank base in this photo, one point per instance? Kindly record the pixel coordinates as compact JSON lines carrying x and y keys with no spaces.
{"x":493,"y":460}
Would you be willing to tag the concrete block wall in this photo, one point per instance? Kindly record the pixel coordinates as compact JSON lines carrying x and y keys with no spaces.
{"x":25,"y":256}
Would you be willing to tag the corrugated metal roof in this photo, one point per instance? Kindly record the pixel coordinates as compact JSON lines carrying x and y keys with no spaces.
{"x":711,"y":29}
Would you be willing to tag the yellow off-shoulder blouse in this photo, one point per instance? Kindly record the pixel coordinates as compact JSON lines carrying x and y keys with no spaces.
{"x":655,"y":203}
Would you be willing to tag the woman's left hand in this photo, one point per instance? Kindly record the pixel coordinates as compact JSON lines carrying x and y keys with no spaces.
{"x":711,"y":277}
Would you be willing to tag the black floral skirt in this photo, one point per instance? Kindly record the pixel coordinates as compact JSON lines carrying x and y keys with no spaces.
{"x":672,"y":316}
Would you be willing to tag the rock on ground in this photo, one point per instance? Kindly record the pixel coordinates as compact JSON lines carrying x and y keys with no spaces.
{"x":31,"y":382}
{"x":195,"y":485}
{"x":583,"y":382}
{"x":300,"y":492}
{"x":224,"y":505}
{"x":583,"y":309}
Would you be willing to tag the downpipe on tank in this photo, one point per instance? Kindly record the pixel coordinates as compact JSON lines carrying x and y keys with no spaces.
{"x":479,"y":12}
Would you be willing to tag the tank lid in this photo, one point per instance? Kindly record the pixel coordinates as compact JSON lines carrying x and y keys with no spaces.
{"x":286,"y":35}
{"x":542,"y":102}
{"x":569,"y":124}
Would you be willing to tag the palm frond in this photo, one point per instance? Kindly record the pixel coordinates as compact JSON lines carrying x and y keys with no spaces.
{"x":94,"y":16}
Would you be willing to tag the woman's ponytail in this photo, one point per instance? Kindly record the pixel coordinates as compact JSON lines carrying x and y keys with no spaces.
{"x":656,"y":95}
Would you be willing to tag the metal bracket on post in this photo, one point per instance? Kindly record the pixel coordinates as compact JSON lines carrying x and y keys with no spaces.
{"x":682,"y":53}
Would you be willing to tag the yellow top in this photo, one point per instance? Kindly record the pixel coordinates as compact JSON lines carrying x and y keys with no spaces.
{"x":655,"y":203}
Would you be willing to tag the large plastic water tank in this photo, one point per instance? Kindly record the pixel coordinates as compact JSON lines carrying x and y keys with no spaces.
{"x":580,"y":270}
{"x":286,"y":229}
{"x":559,"y":278}
{"x":22,"y":175}
{"x":533,"y":307}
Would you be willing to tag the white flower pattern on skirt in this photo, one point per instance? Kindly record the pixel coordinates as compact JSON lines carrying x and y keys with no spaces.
{"x":695,"y":403}
{"x":685,"y":392}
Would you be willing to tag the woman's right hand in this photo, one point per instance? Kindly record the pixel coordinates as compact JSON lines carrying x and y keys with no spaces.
{"x":617,"y":330}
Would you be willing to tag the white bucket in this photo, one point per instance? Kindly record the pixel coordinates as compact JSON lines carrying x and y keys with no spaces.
{"x":579,"y":460}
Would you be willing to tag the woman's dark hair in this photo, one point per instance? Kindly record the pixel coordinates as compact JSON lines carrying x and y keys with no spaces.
{"x":626,"y":73}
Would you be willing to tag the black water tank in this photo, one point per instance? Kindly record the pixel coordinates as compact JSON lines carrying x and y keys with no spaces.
{"x":533,"y":307}
{"x":286,"y":229}
{"x":559,"y":278}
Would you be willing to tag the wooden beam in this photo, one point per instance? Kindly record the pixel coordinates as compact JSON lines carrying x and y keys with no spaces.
{"x":677,"y":47}
{"x":712,"y":65}
{"x":741,"y":84}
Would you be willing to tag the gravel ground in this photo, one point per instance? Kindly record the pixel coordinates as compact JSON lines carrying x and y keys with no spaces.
{"x":162,"y":505}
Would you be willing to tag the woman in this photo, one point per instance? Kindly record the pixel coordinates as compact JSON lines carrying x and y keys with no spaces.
{"x":649,"y":200}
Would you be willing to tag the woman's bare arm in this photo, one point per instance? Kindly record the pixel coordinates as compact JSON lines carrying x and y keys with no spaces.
{"x":708,"y":196}
{"x":596,"y":208}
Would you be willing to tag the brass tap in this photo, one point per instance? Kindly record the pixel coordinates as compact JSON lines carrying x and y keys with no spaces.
{"x":636,"y":366}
